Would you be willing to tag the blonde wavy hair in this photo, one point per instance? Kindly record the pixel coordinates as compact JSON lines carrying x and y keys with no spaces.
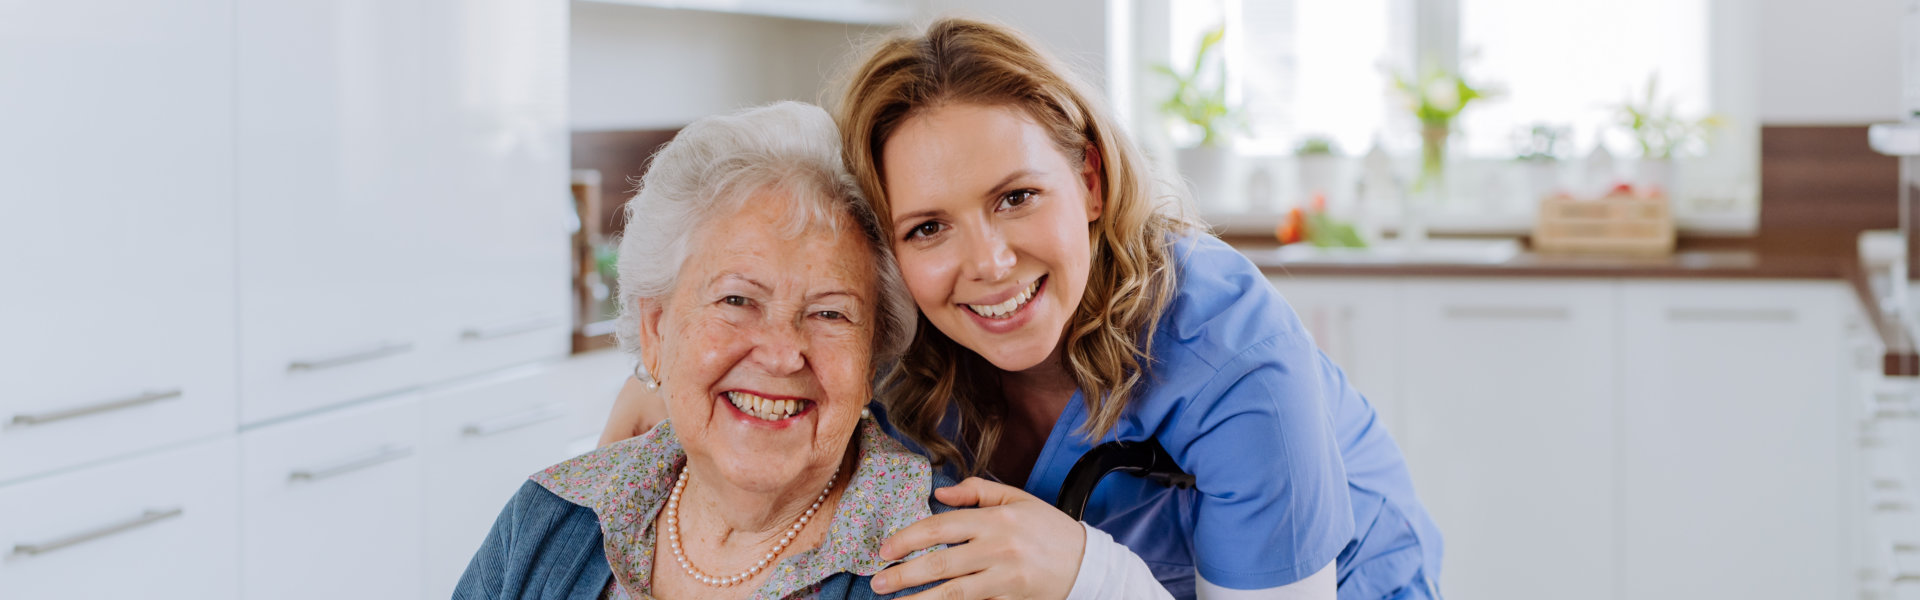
{"x":1131,"y":281}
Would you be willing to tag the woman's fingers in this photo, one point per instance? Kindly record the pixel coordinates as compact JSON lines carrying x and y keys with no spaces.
{"x":980,"y":492}
{"x":1015,"y":546}
{"x":946,"y":563}
{"x":951,"y":527}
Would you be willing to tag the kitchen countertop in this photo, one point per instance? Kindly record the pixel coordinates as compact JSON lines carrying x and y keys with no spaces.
{"x":1742,"y":258}
{"x":1765,"y":257}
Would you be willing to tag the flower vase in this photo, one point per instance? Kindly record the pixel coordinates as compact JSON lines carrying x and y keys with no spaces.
{"x":1433,"y":157}
{"x":1429,"y":189}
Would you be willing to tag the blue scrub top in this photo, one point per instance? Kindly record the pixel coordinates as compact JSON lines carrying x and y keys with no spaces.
{"x":1293,"y":468}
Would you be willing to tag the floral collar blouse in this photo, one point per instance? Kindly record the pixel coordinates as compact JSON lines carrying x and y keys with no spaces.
{"x":626,"y":484}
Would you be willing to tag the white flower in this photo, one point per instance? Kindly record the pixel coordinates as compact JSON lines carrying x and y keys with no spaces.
{"x":1443,"y":95}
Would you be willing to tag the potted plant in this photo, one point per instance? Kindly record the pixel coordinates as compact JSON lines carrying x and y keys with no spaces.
{"x":1659,"y":132}
{"x":1318,"y":160}
{"x":1198,"y":105}
{"x":1537,"y":149}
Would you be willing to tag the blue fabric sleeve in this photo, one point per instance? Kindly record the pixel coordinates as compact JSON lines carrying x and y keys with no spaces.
{"x":540,"y":547}
{"x":1259,"y":439}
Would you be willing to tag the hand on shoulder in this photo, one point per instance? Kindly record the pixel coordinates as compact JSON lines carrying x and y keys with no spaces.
{"x":1012,"y":545}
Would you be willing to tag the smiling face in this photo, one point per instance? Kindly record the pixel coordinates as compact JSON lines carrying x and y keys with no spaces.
{"x":989,"y":223}
{"x":763,"y":348}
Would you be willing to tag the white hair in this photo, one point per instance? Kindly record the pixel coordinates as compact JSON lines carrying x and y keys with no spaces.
{"x":712,"y":167}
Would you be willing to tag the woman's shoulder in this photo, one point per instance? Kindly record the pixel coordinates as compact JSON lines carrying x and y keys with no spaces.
{"x":638,"y":469}
{"x":538,"y":536}
{"x":1222,"y":306}
{"x":896,"y":471}
{"x":535,"y":513}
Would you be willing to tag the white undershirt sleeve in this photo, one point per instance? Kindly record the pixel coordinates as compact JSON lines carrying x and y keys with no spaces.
{"x":1318,"y":586}
{"x":1109,"y":569}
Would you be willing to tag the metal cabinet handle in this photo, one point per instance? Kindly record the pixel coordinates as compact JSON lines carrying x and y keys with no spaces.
{"x":385,"y":454}
{"x":328,"y":362}
{"x":511,"y":422}
{"x":148,"y":517}
{"x":1731,"y":315}
{"x":1535,"y":313}
{"x":1892,"y":507}
{"x":1894,"y":414}
{"x":499,"y":331}
{"x":1886,"y":485}
{"x":27,"y":420}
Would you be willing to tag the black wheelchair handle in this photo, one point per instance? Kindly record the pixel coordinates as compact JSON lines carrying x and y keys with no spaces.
{"x":1144,"y":458}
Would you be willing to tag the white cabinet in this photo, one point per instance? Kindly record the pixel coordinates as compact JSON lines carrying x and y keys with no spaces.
{"x":1356,"y":322}
{"x":164,"y":525}
{"x":333,"y":167}
{"x":403,"y":214}
{"x":116,"y":244}
{"x":497,"y":280}
{"x":1510,"y":411}
{"x":332,"y":504}
{"x":1730,"y":407}
{"x":484,"y":438}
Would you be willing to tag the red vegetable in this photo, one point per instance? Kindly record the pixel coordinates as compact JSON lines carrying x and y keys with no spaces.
{"x":1293,"y":228}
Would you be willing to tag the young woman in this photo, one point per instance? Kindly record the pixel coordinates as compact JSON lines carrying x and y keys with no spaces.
{"x":1065,"y":302}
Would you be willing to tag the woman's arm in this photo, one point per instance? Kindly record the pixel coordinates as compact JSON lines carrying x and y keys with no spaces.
{"x":1109,"y":570}
{"x":1270,"y":523}
{"x":1013,"y":546}
{"x":635,"y":411}
{"x":1319,"y":586}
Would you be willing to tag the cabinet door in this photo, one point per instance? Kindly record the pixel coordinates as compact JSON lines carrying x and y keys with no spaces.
{"x":484,"y":438}
{"x":499,"y":190}
{"x":1356,"y":322}
{"x":333,"y":166}
{"x":116,"y":243}
{"x":1732,"y":414}
{"x":163,"y":525}
{"x":1510,"y":432}
{"x":332,"y":505}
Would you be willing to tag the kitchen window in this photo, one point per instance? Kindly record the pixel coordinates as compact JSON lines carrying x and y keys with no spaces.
{"x":1323,"y":68}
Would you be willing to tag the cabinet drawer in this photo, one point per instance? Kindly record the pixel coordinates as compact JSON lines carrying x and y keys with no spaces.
{"x":164,"y":525}
{"x":483,"y":439}
{"x":465,"y":346}
{"x":96,"y":420}
{"x":331,"y":504}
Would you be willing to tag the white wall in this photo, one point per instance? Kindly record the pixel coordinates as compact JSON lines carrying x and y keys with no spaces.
{"x":1829,"y":61}
{"x":638,"y":67}
{"x":1076,"y":31}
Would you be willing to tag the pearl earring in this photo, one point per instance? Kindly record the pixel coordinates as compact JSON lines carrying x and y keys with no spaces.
{"x":645,"y":378}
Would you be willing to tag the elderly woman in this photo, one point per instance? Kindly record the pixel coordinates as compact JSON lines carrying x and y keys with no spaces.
{"x":760,"y":296}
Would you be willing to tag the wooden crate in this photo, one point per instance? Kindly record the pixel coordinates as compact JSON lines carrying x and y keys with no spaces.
{"x":1617,"y":224}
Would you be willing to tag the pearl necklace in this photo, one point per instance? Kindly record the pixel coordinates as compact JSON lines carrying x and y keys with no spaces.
{"x":673,"y":535}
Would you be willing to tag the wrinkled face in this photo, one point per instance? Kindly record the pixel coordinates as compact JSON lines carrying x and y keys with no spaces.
{"x":763,"y":348}
{"x":989,"y":223}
